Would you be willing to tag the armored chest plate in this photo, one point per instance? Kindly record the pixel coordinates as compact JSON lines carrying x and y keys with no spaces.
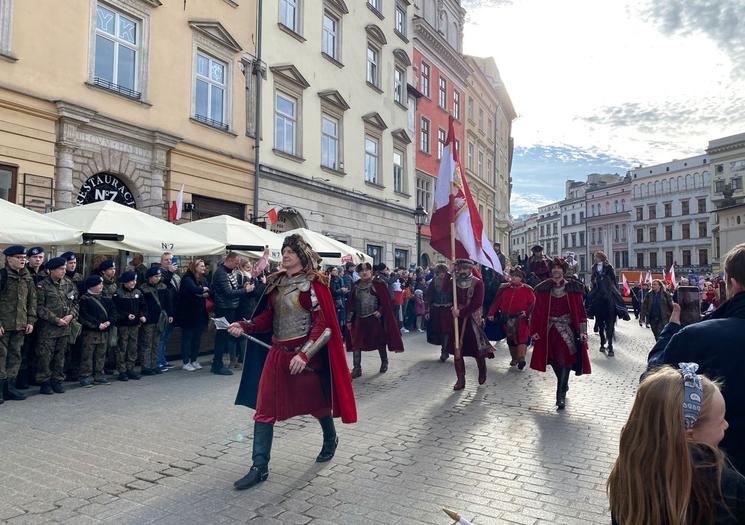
{"x":366,"y":302}
{"x":291,"y":320}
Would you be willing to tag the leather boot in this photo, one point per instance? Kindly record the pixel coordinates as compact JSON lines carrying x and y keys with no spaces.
{"x":10,"y":392}
{"x":262,"y":448}
{"x":562,"y":385}
{"x":46,"y":388}
{"x":481,"y":362}
{"x":444,"y":354}
{"x":330,"y":440}
{"x":22,"y":380}
{"x":383,"y":360}
{"x":356,"y":364}
{"x":460,"y":372}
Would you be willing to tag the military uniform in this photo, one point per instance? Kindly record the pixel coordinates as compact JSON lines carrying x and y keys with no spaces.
{"x":17,"y":310}
{"x":128,"y":302}
{"x":27,"y":370}
{"x":109,"y":289}
{"x":55,"y":300}
{"x":157,"y":304}
{"x":94,"y":311}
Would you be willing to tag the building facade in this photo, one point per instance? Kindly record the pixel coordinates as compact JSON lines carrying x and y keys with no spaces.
{"x":572,"y":210}
{"x":608,"y":217}
{"x":727,"y":158}
{"x":146,"y":96}
{"x":337,"y":154}
{"x":672,"y":219}
{"x":549,"y":228}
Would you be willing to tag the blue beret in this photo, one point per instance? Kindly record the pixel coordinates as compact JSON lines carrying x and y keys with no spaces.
{"x":36,"y":250}
{"x":10,"y":251}
{"x":55,"y":262}
{"x":127,"y":277}
{"x":152,"y":271}
{"x":93,"y":280}
{"x":105,"y":265}
{"x":68,"y":256}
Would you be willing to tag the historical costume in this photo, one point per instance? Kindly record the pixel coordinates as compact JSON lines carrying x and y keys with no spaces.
{"x":468,"y":308}
{"x":604,"y":303}
{"x":538,"y":266}
{"x":305,"y":371}
{"x":370,"y":320}
{"x":559,"y":328}
{"x":438,"y":310}
{"x":573,"y":268}
{"x":512,"y":306}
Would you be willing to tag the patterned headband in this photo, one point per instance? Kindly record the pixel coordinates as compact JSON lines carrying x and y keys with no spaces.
{"x":693,"y":393}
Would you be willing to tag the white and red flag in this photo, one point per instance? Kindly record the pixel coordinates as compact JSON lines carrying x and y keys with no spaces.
{"x":626,"y":287}
{"x":649,"y":277}
{"x":454,"y":205}
{"x":641,"y":278}
{"x":670,"y":277}
{"x":174,"y":214}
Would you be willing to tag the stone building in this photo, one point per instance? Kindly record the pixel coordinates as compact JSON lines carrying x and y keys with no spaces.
{"x":572,"y":210}
{"x":608,"y":217}
{"x":549,"y":228}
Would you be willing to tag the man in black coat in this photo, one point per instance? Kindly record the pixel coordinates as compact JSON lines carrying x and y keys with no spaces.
{"x":716,"y":345}
{"x":226,"y":289}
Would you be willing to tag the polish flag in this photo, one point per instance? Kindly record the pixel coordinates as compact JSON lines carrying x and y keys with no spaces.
{"x":649,"y":277}
{"x":174,"y":214}
{"x":272,"y":216}
{"x":626,"y":288}
{"x":641,"y":278}
{"x":455,"y":205}
{"x":670,"y":277}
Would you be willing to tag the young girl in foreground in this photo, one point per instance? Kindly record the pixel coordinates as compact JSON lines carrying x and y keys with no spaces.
{"x":670,"y":470}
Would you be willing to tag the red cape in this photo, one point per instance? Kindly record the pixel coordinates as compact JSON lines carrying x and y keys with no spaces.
{"x":390,"y":325}
{"x":342,"y":396}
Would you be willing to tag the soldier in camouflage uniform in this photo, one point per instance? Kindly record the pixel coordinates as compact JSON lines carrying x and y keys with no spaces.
{"x":130,"y":313}
{"x":159,"y":312}
{"x":35,"y":259}
{"x":57,"y":309}
{"x":97,"y":315}
{"x":71,"y":273}
{"x":17,"y":317}
{"x":107,"y":270}
{"x":72,"y":354}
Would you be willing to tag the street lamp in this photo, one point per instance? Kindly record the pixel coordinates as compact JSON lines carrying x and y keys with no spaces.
{"x":420,"y":218}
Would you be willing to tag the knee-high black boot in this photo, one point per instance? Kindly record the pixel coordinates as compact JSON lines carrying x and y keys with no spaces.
{"x":330,"y":440}
{"x":562,"y":387}
{"x":262,"y":449}
{"x":356,"y":364}
{"x":383,"y":360}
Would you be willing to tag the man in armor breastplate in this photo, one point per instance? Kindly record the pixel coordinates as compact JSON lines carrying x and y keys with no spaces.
{"x":371,"y":324}
{"x":305,"y":371}
{"x":438,"y":305}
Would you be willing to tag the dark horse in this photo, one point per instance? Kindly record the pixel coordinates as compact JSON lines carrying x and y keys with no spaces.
{"x":604,"y":304}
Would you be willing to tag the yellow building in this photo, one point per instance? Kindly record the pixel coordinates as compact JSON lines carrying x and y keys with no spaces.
{"x":127,"y":100}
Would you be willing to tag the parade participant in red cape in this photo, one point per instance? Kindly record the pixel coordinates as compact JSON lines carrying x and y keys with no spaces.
{"x":559,"y":327}
{"x":305,"y":371}
{"x":370,"y":321}
{"x":468,"y":310}
{"x":438,"y":306}
{"x":538,"y":266}
{"x":514,"y":302}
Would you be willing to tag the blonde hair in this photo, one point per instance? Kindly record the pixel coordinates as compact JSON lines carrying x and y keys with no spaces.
{"x":654,"y":480}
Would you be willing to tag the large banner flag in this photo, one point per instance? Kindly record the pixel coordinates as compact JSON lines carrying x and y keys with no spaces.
{"x":626,"y":287}
{"x":174,"y":213}
{"x":455,"y":205}
{"x":670,"y":277}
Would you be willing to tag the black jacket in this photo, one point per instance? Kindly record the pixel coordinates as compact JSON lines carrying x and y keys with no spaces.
{"x":225,"y":294}
{"x":152,"y":310}
{"x":191,"y":308}
{"x":248,"y":301}
{"x":129,"y":302}
{"x":94,"y":310}
{"x":716,"y":344}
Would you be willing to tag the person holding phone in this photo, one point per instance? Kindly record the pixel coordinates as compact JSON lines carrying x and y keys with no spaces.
{"x":656,"y":309}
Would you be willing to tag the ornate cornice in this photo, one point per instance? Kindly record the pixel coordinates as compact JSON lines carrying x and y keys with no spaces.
{"x":217,"y":33}
{"x":426,"y":34}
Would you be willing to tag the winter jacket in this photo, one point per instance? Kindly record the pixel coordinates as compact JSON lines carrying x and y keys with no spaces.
{"x":226,"y":288}
{"x":17,"y":299}
{"x":155,"y":294}
{"x":666,"y":307}
{"x":129,"y":302}
{"x":95,"y":310}
{"x":55,"y":300}
{"x":191,"y":309}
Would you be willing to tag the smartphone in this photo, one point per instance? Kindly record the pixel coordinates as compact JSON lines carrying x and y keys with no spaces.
{"x":689,"y":300}
{"x":722,"y":291}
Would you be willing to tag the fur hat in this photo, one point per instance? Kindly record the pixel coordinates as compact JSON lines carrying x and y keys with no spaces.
{"x":463,"y":262}
{"x":308,"y":257}
{"x":559,"y":262}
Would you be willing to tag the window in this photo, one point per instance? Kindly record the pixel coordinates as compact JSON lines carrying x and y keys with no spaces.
{"x":399,"y":81}
{"x":653,"y":260}
{"x":640,"y":260}
{"x":7,"y":183}
{"x":653,"y":234}
{"x":703,"y":257}
{"x":489,"y":170}
{"x":686,"y":257}
{"x":377,"y":4}
{"x":285,"y":123}
{"x":685,"y":207}
{"x":398,"y":171}
{"x":652,"y":211}
{"x":456,"y":105}
{"x":116,"y":52}
{"x":424,"y":79}
{"x":400,"y":23}
{"x":372,"y":146}
{"x":376,"y":252}
{"x":556,"y":228}
{"x":6,"y":27}
{"x":330,"y":39}
{"x":489,"y":127}
{"x":442,"y":97}
{"x":566,"y":240}
{"x":581,"y":216}
{"x":668,"y":232}
{"x":372,"y":65}
{"x":686,"y":233}
{"x":639,"y":213}
{"x":470,"y":108}
{"x":329,"y":142}
{"x":574,"y":239}
{"x":469,"y":157}
{"x":566,"y":220}
{"x":668,"y":259}
{"x":617,"y":233}
{"x":400,"y":258}
{"x":736,"y":183}
{"x":289,"y":15}
{"x":668,"y":209}
{"x":616,"y":209}
{"x":441,"y":138}
{"x":210,"y":91}
{"x":574,"y":218}
{"x":424,"y":135}
{"x":582,"y":261}
{"x":702,"y":205}
{"x":640,"y":235}
{"x":581,"y":238}
{"x":543,"y":234}
{"x":719,"y":186}
{"x":592,"y":210}
{"x":702,"y":229}
{"x":480,"y":169}
{"x":424,"y":193}
{"x":481,"y":119}
{"x":623,"y":233}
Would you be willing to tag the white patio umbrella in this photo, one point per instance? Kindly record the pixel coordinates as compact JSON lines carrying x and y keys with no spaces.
{"x":332,"y":252}
{"x":23,"y":226}
{"x":238,"y":235}
{"x":142,"y":233}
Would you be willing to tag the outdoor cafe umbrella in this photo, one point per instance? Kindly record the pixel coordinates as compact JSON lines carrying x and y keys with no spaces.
{"x":27,"y":227}
{"x":238,"y":235}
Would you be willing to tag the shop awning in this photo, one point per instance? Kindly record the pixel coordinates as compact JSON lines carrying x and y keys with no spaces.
{"x":142,"y":233}
{"x":332,"y":252}
{"x":29,"y":228}
{"x":237,"y":235}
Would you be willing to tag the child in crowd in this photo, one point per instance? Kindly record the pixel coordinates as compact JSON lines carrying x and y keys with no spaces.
{"x":419,"y":309}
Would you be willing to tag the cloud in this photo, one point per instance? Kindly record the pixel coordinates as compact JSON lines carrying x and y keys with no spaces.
{"x":720,"y":20}
{"x":521,"y":204}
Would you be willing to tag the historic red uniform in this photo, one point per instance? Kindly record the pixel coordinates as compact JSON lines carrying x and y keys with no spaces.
{"x":474,"y":343}
{"x":438,"y":304}
{"x":510,"y":301}
{"x":370,"y":332}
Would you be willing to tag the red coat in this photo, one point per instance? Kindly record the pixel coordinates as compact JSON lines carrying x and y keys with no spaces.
{"x":328,"y":387}
{"x":372,"y":333}
{"x":539,"y":324}
{"x":510,"y":301}
{"x":470,"y":301}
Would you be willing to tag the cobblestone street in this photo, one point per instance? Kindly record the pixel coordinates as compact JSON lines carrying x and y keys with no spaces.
{"x":167,"y":449}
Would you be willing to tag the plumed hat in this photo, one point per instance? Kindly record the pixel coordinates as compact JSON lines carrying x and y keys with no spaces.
{"x":308,"y":257}
{"x":559,"y":262}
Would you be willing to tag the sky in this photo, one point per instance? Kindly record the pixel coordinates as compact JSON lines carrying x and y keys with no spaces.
{"x":601,"y":86}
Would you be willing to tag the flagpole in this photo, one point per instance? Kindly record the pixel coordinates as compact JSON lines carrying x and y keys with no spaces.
{"x":456,"y":332}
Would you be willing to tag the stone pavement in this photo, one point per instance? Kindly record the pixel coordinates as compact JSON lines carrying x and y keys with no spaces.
{"x":167,"y":449}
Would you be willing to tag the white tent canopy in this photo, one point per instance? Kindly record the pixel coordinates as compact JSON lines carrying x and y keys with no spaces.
{"x":19,"y":225}
{"x":238,"y":235}
{"x":332,"y":252}
{"x":142,"y":233}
